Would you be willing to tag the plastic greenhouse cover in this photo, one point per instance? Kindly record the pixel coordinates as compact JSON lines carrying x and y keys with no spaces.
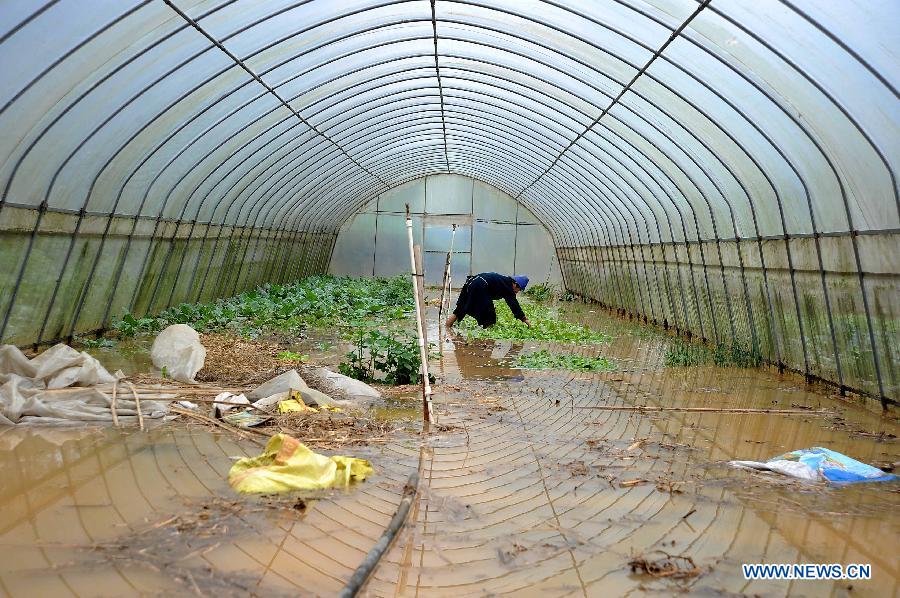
{"x":535,"y":70}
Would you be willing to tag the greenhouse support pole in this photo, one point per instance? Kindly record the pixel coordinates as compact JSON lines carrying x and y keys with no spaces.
{"x":445,"y":280}
{"x":420,"y":291}
{"x":449,"y":262}
{"x":423,"y":351}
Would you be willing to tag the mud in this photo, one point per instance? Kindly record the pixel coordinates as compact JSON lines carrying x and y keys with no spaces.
{"x":522,"y":491}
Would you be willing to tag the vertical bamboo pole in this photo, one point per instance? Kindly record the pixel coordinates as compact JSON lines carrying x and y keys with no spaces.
{"x":443,"y":289}
{"x":440,"y":326}
{"x":423,"y":351}
{"x":420,"y":290}
{"x":445,"y":292}
{"x":449,"y":260}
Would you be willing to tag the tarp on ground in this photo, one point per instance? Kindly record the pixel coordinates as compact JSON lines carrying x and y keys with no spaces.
{"x":62,"y":385}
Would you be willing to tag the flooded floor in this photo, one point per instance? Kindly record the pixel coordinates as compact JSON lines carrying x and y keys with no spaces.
{"x":525,"y":488}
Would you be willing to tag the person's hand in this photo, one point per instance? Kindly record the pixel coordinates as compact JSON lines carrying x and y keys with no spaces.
{"x":527,"y":323}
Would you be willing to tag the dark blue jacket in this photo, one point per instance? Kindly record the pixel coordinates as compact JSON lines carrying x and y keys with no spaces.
{"x":477,"y":298}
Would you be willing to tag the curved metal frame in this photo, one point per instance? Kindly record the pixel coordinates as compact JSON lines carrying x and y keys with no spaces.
{"x":355,"y":151}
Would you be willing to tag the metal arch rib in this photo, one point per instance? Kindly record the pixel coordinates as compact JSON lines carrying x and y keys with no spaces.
{"x":268,"y":88}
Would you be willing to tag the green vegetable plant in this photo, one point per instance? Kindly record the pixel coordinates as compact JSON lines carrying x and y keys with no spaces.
{"x":545,"y":326}
{"x":291,"y":356}
{"x":736,"y":356}
{"x":96,"y":343}
{"x":392,"y":354}
{"x":541,"y":292}
{"x":681,"y":353}
{"x":546,"y":360}
{"x":316,"y":301}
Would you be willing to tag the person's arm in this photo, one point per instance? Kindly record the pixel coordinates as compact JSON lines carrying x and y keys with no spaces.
{"x":514,"y":306}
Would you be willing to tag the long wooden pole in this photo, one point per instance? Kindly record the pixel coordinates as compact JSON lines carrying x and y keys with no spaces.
{"x":710,"y":410}
{"x":445,"y":293}
{"x":449,"y":264}
{"x":423,"y":351}
{"x":420,"y":289}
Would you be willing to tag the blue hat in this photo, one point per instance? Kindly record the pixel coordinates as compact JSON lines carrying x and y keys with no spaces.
{"x":521,"y":280}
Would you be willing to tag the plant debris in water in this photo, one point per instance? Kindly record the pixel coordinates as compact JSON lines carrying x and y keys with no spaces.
{"x":670,"y":566}
{"x":199,"y":528}
{"x":331,"y":430}
{"x":545,"y":326}
{"x":684,"y":354}
{"x":546,"y":360}
{"x":316,"y":301}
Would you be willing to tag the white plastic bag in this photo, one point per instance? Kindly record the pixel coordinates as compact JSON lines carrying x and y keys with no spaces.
{"x":178,"y":353}
{"x":286,"y":382}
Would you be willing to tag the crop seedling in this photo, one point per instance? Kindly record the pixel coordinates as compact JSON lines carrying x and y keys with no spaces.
{"x":291,"y":356}
{"x":316,"y":301}
{"x":545,"y":360}
{"x":545,"y":326}
{"x":541,"y":292}
{"x":393,"y":354}
{"x":684,"y":354}
{"x":97,"y":343}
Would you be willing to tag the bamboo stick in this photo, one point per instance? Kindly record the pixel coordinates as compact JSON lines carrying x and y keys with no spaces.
{"x":423,"y":352}
{"x":183,"y":390}
{"x":420,"y":289}
{"x":449,"y":266}
{"x":194,"y":389}
{"x":445,"y":293}
{"x":708,"y":409}
{"x":112,"y":405}
{"x":137,"y":405}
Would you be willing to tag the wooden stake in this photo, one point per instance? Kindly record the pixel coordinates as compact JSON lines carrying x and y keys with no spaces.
{"x":112,"y":405}
{"x":709,"y":410}
{"x":449,"y":266}
{"x":420,"y":290}
{"x":423,"y":351}
{"x":137,"y":406}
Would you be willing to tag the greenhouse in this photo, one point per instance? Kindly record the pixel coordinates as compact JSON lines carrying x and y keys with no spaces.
{"x":233,"y":233}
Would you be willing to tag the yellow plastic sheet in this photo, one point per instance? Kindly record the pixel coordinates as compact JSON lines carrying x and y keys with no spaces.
{"x":293,"y":405}
{"x":287,"y":464}
{"x":297,"y":405}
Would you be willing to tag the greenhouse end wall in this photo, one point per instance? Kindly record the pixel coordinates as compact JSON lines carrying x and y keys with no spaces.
{"x":780,"y":310}
{"x":495,"y":233}
{"x":60,"y":282}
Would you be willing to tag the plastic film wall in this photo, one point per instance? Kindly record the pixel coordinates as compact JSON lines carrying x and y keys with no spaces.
{"x":724,"y":168}
{"x":493,"y":233}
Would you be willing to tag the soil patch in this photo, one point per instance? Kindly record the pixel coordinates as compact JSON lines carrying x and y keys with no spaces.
{"x":239,"y":361}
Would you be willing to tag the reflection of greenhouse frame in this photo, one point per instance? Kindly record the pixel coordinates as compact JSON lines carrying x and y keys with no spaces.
{"x":301,"y":186}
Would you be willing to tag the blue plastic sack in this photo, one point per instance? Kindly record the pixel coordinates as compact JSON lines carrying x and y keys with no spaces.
{"x":816,"y":464}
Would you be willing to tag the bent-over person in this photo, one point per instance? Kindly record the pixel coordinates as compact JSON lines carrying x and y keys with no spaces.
{"x":477,"y":296}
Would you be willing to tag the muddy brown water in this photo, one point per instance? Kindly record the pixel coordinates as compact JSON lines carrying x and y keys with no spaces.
{"x":523,"y":491}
